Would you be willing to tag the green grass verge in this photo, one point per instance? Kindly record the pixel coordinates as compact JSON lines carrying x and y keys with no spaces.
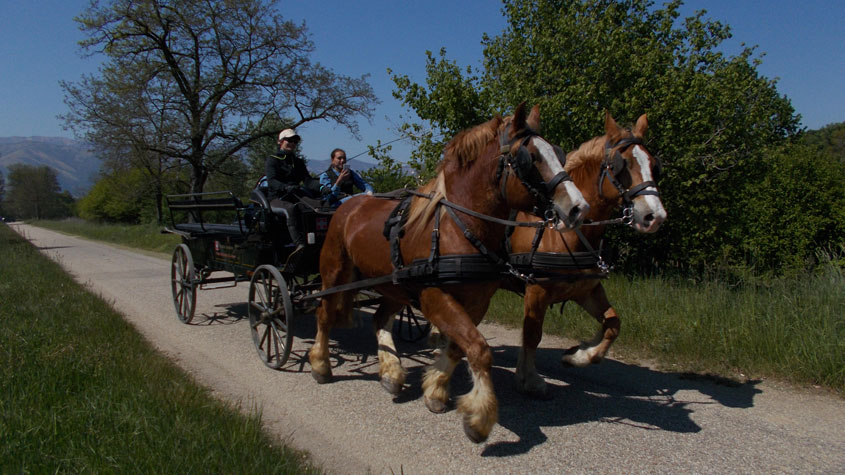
{"x":81,"y":391}
{"x":141,"y":236}
{"x":790,"y":329}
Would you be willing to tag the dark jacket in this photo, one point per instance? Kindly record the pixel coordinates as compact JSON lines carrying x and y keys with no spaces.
{"x":285,"y":172}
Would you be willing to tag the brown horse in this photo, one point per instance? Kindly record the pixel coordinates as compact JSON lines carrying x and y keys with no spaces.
{"x":609,"y":170}
{"x":473,"y":175}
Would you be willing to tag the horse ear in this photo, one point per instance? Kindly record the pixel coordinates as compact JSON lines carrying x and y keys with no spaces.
{"x":519,"y":117}
{"x":534,"y":118}
{"x":641,"y":127}
{"x":610,"y":126}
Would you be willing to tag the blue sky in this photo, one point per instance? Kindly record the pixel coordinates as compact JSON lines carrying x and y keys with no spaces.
{"x":803,"y":42}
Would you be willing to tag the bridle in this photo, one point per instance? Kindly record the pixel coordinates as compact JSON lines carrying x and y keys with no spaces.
{"x":521,"y":164}
{"x":614,"y":164}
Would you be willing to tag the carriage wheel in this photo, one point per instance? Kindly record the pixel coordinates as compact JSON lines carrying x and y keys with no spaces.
{"x":412,"y":328}
{"x":183,"y":283}
{"x":270,"y":316}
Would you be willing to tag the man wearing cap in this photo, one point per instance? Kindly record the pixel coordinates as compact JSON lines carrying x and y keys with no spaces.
{"x":285,"y":172}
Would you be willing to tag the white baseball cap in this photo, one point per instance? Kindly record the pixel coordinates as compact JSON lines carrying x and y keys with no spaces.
{"x":288,"y":133}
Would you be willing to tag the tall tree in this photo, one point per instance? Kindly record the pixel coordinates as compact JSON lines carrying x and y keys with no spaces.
{"x":197,"y":82}
{"x":34,"y":192}
{"x":712,"y":117}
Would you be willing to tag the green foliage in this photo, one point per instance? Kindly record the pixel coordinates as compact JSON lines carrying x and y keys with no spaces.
{"x":34,"y":193}
{"x":713,"y":118}
{"x":829,"y":139}
{"x":796,"y":209}
{"x":450,"y":103}
{"x":388,"y":175}
{"x":119,"y":197}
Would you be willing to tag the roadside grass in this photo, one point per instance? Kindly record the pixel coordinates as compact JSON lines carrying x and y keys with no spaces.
{"x":140,"y":236}
{"x":791,"y":328}
{"x":81,"y":391}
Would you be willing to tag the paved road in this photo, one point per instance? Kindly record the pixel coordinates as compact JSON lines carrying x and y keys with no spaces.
{"x":616,"y":417}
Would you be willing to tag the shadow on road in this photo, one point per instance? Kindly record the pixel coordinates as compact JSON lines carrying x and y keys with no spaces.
{"x":611,"y":392}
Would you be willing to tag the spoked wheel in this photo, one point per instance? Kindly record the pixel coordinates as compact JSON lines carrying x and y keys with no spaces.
{"x":183,"y":283}
{"x":411,"y":326}
{"x":270,"y":316}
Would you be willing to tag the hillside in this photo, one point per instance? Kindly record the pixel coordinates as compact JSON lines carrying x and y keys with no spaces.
{"x":75,"y":166}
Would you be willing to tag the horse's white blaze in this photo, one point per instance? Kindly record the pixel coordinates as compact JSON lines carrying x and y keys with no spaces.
{"x":548,"y":154}
{"x":550,"y":158}
{"x":645,"y":169}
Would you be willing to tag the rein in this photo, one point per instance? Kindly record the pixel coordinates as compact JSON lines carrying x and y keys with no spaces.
{"x":522,"y":165}
{"x":394,"y":231}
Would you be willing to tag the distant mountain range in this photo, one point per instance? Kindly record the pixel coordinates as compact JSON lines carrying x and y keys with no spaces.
{"x":76,"y":167}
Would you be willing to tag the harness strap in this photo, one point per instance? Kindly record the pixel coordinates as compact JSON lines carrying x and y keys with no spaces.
{"x":476,"y":214}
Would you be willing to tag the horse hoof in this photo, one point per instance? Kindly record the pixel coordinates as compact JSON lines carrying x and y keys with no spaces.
{"x":568,"y":357}
{"x":473,"y":434}
{"x":435,"y":406}
{"x":321,"y":378}
{"x":393,"y":387}
{"x":541,"y":393}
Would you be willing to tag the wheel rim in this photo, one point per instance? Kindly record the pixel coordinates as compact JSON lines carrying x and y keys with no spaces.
{"x":182,"y":283}
{"x":411,"y":327}
{"x":270,"y":316}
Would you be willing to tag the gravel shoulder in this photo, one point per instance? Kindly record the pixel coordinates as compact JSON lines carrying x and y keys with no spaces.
{"x":615,"y":417}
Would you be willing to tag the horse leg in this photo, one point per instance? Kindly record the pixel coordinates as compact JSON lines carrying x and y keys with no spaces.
{"x":479,"y":406}
{"x":391,"y":372}
{"x":437,"y":376}
{"x":528,"y":380}
{"x":597,"y":305}
{"x":321,"y":369}
{"x":335,"y":269}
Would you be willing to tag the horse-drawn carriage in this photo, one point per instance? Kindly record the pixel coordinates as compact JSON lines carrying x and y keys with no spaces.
{"x":255,"y":247}
{"x":441,"y":249}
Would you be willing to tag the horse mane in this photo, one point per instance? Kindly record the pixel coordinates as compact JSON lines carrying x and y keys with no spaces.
{"x":461,"y":150}
{"x":581,"y":161}
{"x":468,"y":144}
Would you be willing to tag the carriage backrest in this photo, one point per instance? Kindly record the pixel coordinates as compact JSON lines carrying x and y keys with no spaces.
{"x":203,"y":208}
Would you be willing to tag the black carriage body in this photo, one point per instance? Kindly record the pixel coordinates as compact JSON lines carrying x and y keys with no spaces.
{"x":255,"y":236}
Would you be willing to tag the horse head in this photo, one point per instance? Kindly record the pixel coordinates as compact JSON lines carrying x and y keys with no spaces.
{"x":533,"y":172}
{"x":629,"y":173}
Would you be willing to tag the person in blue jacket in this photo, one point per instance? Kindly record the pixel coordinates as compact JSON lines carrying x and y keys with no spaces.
{"x":338,"y":182}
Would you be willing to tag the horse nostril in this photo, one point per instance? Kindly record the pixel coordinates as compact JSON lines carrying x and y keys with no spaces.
{"x":574,"y":213}
{"x":648,"y":218}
